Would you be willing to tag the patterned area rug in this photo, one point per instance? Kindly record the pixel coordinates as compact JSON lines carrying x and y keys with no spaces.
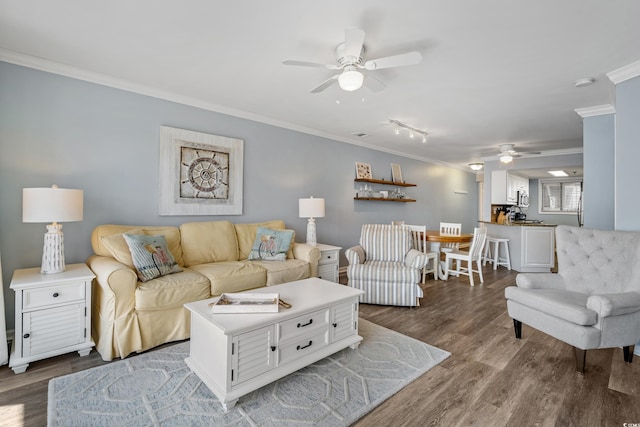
{"x":158,"y":389}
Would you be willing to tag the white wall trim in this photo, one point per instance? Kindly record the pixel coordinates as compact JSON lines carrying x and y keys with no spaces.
{"x":598,"y":110}
{"x":624,"y":73}
{"x":105,"y":80}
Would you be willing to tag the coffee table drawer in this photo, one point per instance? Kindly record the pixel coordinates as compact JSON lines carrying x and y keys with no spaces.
{"x":300,"y":325}
{"x":298,"y":348}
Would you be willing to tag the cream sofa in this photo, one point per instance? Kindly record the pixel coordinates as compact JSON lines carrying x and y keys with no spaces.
{"x":132,"y":316}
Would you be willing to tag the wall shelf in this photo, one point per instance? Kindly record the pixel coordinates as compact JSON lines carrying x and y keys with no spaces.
{"x":383,"y":182}
{"x":382,"y":199}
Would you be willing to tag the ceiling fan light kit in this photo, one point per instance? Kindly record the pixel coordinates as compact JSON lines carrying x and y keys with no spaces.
{"x":350,"y":62}
{"x":350,"y":79}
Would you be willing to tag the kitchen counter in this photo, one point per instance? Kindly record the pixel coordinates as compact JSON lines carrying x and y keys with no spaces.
{"x":531,"y":246}
{"x":528,"y":223}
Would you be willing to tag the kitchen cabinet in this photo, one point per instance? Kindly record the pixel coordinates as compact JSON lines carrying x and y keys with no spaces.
{"x":531,"y":247}
{"x":505,"y":186}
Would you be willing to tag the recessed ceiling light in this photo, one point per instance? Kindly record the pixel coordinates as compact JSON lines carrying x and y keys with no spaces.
{"x":558,"y":173}
{"x":586,"y":81}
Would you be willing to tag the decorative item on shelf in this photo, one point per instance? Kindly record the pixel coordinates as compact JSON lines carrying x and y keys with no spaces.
{"x":311,"y":208}
{"x":363,"y":170}
{"x":396,"y":173}
{"x":52,"y":205}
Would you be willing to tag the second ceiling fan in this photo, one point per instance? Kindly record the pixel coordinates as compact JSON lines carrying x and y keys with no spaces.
{"x":349,"y":59}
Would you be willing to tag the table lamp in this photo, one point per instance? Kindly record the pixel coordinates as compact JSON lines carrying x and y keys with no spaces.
{"x":311,"y":208}
{"x":52,"y":205}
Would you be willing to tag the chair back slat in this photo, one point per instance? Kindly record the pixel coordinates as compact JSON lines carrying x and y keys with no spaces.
{"x":418,"y":233}
{"x":479,"y":238}
{"x":450,"y":229}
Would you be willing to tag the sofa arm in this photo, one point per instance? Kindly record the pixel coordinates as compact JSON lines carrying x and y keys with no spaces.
{"x":355,"y":255}
{"x":540,"y":281}
{"x":116,"y":283}
{"x":308,"y":253}
{"x":416,"y":259}
{"x":614,"y":304}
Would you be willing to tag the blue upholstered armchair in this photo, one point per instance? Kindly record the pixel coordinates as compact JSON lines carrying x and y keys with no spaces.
{"x":594,"y":299}
{"x":385,"y":267}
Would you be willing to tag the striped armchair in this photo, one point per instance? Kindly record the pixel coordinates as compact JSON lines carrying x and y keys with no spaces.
{"x":385,"y":267}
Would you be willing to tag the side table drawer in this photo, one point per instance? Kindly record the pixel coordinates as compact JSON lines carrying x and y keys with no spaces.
{"x":328,"y":257}
{"x":302,"y":324}
{"x":328,"y":272}
{"x":50,"y":295}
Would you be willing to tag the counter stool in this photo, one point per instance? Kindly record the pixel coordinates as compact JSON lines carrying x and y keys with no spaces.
{"x":493,"y":255}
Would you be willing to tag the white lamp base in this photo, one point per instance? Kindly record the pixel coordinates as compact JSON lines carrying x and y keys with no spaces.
{"x":53,"y":251}
{"x":311,"y":232}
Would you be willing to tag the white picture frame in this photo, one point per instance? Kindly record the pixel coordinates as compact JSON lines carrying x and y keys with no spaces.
{"x":363,"y":171}
{"x":396,"y":173}
{"x":200,"y":174}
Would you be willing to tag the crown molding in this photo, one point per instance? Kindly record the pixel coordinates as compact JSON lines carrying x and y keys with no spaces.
{"x":624,"y":73}
{"x":599,"y":110}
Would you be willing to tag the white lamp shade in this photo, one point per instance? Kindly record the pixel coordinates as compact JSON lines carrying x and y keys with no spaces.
{"x":350,"y":80}
{"x":51,"y":205}
{"x":311,"y":208}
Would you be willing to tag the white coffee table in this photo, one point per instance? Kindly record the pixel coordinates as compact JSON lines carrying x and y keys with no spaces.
{"x":234,"y":354}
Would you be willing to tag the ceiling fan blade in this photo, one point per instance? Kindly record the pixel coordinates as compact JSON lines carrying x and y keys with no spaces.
{"x":530,"y":152}
{"x":353,"y":41}
{"x":310,"y":64}
{"x":373,"y":83}
{"x":322,"y":86}
{"x":409,"y":58}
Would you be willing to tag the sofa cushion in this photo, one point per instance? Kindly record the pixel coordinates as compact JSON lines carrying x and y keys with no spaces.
{"x":118,"y":247}
{"x":384,"y":271}
{"x":171,"y":291}
{"x":285,"y":271}
{"x":101,"y":245}
{"x":271,"y":245}
{"x":151,"y":256}
{"x":246,"y":234}
{"x":385,"y":242}
{"x":211,"y":241}
{"x":232,"y":276}
{"x":567,"y":305}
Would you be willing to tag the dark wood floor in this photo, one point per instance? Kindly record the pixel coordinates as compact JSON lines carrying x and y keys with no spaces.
{"x":491,"y":379}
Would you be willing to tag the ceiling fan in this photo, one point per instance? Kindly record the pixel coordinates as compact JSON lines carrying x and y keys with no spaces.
{"x":354,"y":68}
{"x":508,"y":153}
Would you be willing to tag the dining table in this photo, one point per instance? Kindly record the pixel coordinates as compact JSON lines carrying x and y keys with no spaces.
{"x":436,"y":240}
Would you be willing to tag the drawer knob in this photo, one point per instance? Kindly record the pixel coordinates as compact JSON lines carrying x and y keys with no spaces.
{"x":56,"y":295}
{"x":273,"y":348}
{"x":302,"y":325}
{"x":329,"y":257}
{"x":304,"y":346}
{"x":26,"y":336}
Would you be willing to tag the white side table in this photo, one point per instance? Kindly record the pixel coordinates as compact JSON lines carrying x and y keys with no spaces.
{"x":53,"y":314}
{"x":329,"y":262}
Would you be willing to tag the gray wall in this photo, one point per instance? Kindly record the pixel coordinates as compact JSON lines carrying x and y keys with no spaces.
{"x":599,"y":166}
{"x":57,"y":130}
{"x":627,"y":154}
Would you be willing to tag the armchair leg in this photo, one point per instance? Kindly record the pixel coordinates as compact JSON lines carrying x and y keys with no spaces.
{"x":581,"y":358}
{"x":628,"y":353}
{"x":517,"y":327}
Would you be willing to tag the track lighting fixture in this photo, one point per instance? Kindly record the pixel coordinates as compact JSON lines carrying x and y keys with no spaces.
{"x":412,"y":131}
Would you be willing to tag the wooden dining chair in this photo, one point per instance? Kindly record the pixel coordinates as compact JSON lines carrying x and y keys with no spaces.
{"x":418,"y":242}
{"x":474,"y":255}
{"x":450,"y":229}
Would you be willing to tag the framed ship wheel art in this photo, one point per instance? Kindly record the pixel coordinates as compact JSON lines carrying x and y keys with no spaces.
{"x":200,"y":174}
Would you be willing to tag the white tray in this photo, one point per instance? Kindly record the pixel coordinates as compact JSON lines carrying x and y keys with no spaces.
{"x":246,"y":302}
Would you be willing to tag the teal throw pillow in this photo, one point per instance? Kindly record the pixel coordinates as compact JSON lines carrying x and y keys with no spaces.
{"x":151,"y":256}
{"x":271,"y":245}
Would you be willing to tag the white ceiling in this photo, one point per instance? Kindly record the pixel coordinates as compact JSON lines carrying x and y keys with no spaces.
{"x":493,"y":71}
